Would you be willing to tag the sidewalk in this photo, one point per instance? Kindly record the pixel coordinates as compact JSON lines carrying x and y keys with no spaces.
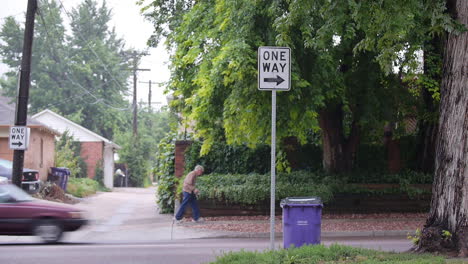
{"x":332,"y":226}
{"x":131,"y":215}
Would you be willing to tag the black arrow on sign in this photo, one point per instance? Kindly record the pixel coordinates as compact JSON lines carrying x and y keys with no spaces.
{"x":277,"y":80}
{"x":19,"y":144}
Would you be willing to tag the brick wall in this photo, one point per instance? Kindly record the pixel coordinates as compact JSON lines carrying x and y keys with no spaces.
{"x":92,"y":153}
{"x":5,"y":151}
{"x":40,"y":154}
{"x":180,"y":148}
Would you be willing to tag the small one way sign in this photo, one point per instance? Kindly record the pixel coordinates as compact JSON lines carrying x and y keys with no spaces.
{"x":274,"y":68}
{"x":19,"y":137}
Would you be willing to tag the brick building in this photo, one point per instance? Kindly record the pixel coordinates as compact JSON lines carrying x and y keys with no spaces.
{"x":40,"y":154}
{"x":95,"y":149}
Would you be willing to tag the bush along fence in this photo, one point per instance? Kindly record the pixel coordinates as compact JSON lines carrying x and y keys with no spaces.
{"x":249,"y":194}
{"x":231,"y":182}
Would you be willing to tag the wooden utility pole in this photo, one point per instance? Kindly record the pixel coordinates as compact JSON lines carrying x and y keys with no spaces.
{"x":150,"y":95}
{"x":136,"y":57}
{"x":23,"y":92}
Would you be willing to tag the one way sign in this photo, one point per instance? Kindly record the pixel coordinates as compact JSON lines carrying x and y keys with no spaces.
{"x":19,"y":137}
{"x":274,"y":68}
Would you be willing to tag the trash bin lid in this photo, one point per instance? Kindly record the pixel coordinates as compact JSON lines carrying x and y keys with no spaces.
{"x":312,"y":200}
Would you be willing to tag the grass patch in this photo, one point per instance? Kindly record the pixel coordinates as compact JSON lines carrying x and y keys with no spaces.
{"x":82,"y":187}
{"x":335,"y":254}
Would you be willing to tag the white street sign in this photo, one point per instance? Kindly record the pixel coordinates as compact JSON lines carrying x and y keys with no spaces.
{"x":274,"y":74}
{"x":274,"y":68}
{"x":19,"y":137}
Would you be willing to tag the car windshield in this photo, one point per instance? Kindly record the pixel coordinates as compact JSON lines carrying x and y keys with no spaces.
{"x":10,"y":191}
{"x":6,"y":163}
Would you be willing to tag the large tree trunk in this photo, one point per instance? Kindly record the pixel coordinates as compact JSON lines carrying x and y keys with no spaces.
{"x":426,"y":146}
{"x":449,"y":206}
{"x":339,"y":151}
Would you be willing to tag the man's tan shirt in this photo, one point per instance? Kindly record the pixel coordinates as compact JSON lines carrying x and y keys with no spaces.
{"x":189,"y":182}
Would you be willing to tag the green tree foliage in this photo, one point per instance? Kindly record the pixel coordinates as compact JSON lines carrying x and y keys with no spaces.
{"x":229,"y":159}
{"x":139,"y":153}
{"x":98,"y":64}
{"x":164,"y":171}
{"x":48,"y":55}
{"x":67,"y":154}
{"x":79,"y":75}
{"x":336,"y":88}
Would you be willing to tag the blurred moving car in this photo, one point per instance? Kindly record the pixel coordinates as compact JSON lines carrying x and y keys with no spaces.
{"x":3,"y":180}
{"x":30,"y":181}
{"x":21,"y":214}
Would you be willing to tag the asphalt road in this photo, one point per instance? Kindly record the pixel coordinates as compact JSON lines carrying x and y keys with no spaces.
{"x":126,"y":228}
{"x":190,"y":251}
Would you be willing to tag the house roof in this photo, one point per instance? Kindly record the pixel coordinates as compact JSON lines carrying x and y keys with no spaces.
{"x":8,"y":113}
{"x":63,"y":124}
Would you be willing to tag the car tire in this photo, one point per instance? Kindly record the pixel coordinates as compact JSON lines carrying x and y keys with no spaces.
{"x":49,"y":230}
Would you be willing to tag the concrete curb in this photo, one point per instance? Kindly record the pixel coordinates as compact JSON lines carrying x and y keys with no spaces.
{"x":338,"y":234}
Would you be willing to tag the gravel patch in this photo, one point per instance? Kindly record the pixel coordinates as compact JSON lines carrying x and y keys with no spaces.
{"x":330,"y":223}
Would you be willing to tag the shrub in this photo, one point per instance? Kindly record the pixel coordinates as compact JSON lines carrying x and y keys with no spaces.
{"x":82,"y":187}
{"x":370,"y":164}
{"x":225,"y":158}
{"x":67,"y":154}
{"x":254,"y":188}
{"x":99,"y":173}
{"x":164,"y":173}
{"x":407,"y":176}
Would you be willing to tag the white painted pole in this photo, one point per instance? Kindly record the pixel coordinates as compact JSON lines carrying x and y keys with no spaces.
{"x":273,"y":169}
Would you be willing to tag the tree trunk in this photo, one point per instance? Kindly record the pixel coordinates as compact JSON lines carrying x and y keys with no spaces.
{"x":338,"y":151}
{"x":449,"y":206}
{"x":427,"y":135}
{"x":426,"y":146}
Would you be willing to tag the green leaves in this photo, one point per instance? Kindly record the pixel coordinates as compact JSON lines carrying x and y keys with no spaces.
{"x":255,"y":188}
{"x":79,"y":75}
{"x":67,"y":154}
{"x":164,"y":172}
{"x":142,"y":152}
{"x":349,"y":55}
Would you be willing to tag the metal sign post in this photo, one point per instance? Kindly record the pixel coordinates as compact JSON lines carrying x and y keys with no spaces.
{"x":274,"y":74}
{"x":273,"y":170}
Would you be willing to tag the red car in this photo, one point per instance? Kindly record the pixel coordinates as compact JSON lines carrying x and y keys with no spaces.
{"x":21,"y":214}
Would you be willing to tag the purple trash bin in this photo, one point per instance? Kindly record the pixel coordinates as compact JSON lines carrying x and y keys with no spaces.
{"x":61,"y":175}
{"x":302,"y":219}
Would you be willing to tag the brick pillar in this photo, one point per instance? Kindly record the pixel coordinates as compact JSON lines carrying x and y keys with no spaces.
{"x":180,"y":148}
{"x":392,"y":146}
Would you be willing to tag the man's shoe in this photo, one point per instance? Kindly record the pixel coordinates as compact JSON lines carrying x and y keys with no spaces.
{"x":177,"y":222}
{"x":199,"y":220}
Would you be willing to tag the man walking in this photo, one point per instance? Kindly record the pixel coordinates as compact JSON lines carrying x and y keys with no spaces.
{"x":190,"y":195}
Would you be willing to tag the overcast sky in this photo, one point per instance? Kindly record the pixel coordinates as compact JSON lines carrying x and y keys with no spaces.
{"x":129,"y":25}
